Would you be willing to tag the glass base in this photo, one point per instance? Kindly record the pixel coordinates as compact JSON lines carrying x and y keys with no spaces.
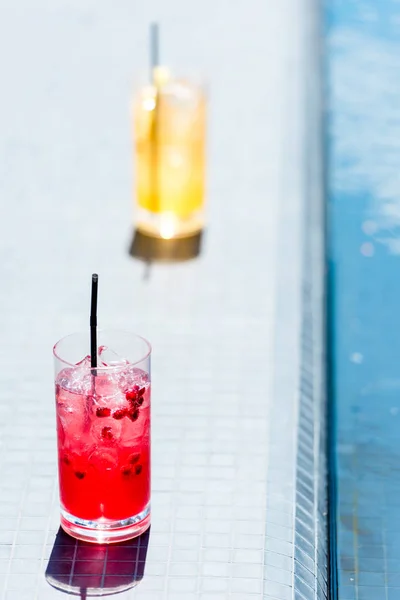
{"x":105,"y":531}
{"x":167,"y":225}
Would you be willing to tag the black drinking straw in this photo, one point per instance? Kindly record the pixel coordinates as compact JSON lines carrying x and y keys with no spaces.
{"x":93,"y":322}
{"x":154,"y":48}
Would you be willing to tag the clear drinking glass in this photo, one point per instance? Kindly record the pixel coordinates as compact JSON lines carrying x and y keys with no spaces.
{"x":170,"y":135}
{"x":103,"y":432}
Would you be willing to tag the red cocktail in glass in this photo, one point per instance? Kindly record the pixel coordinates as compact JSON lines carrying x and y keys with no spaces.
{"x":103,"y":427}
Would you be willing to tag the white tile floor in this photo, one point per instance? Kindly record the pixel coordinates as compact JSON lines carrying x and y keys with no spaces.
{"x":225,"y":327}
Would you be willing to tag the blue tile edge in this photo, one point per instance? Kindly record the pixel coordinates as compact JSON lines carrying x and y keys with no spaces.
{"x":311,"y":541}
{"x":297,"y":479}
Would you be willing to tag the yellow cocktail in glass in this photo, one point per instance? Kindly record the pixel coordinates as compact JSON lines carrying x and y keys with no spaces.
{"x":169,"y":133}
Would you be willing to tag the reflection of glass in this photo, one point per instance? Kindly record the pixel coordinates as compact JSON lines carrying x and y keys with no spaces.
{"x":103,"y":426}
{"x":85,"y":570}
{"x":169,"y":122}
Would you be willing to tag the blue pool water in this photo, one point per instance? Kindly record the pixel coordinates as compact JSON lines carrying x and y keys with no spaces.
{"x":363,"y":138}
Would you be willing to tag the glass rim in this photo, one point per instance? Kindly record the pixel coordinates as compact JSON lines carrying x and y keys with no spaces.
{"x":195,"y":78}
{"x":109,"y":368}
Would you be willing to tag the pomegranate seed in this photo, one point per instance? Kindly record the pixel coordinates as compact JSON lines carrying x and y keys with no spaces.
{"x":139,"y":401}
{"x":80,"y":474}
{"x":131,"y":395}
{"x":66,"y":459}
{"x":126,"y":471}
{"x":133,"y":459}
{"x":106,"y":433}
{"x":120,"y":413}
{"x":141,"y":392}
{"x":134,"y":415}
{"x":103,"y":412}
{"x":138,"y":469}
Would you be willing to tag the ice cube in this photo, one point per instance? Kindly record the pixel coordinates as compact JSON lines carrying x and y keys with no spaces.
{"x":181,"y":93}
{"x":132,"y":376}
{"x":60,"y":430}
{"x":106,"y":431}
{"x":74,"y":398}
{"x":104,"y":459}
{"x":110,"y":358}
{"x":76,"y":380}
{"x":85,"y":363}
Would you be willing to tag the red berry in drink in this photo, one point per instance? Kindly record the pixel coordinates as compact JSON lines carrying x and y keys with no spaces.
{"x":80,"y":474}
{"x":126,"y":471}
{"x":138,"y":469}
{"x":134,"y":458}
{"x":106,"y":433}
{"x":120,"y":413}
{"x":134,"y":415}
{"x":103,"y":412}
{"x":131,"y":395}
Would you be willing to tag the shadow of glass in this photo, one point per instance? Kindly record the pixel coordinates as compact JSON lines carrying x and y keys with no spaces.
{"x":85,"y":569}
{"x":151,"y":249}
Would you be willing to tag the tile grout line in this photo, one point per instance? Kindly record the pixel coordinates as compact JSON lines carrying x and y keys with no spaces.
{"x":17,"y":530}
{"x":45,"y":543}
